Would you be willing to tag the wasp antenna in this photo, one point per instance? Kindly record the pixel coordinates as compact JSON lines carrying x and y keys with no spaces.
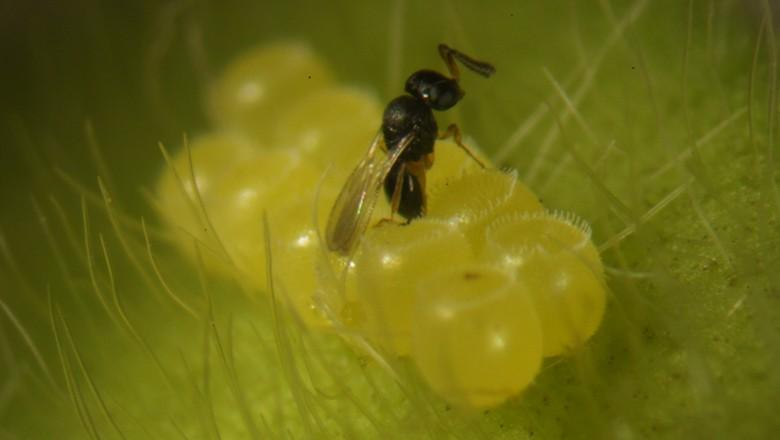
{"x":449,"y":55}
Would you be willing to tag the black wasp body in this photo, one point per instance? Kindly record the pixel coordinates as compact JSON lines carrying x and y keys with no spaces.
{"x":427,"y":90}
{"x":407,"y":114}
{"x":409,"y":132}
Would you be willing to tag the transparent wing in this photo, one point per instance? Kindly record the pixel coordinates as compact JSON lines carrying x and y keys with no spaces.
{"x":355,"y":203}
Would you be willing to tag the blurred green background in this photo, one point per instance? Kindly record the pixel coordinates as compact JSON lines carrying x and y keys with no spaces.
{"x":676,"y":110}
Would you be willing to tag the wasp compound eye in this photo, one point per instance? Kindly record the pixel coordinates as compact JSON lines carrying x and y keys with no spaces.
{"x":436,"y":90}
{"x":444,"y":95}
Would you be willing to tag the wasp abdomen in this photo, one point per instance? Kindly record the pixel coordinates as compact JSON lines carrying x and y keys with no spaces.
{"x":411,"y":204}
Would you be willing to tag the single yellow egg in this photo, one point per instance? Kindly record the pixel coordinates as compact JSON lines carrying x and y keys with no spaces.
{"x":269,"y":182}
{"x":476,"y":337}
{"x":298,"y":258}
{"x":334,"y":125}
{"x":213,"y":157}
{"x":262,"y":82}
{"x":555,"y":258}
{"x":474,"y":199}
{"x":392,"y":260}
{"x":282,"y":184}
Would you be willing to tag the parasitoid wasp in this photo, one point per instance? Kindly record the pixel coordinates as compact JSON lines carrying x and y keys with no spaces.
{"x":407,"y":137}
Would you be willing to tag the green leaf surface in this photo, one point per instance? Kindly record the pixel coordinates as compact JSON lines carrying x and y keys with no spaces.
{"x":656,"y":120}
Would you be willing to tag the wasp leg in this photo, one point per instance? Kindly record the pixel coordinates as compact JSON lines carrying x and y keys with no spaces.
{"x":418,"y":169}
{"x":428,"y":160}
{"x":454,"y":132}
{"x":395,"y":200}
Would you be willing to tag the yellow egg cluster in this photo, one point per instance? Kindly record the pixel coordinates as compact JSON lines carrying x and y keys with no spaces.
{"x":476,"y":293}
{"x":280,"y":122}
{"x":482,"y":289}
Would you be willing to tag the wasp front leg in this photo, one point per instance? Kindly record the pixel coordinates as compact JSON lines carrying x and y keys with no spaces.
{"x":454,"y":132}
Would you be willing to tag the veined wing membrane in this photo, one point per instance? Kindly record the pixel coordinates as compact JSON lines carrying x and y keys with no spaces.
{"x":354,"y":205}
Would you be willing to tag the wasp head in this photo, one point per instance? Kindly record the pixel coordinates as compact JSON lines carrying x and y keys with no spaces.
{"x":436,"y":90}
